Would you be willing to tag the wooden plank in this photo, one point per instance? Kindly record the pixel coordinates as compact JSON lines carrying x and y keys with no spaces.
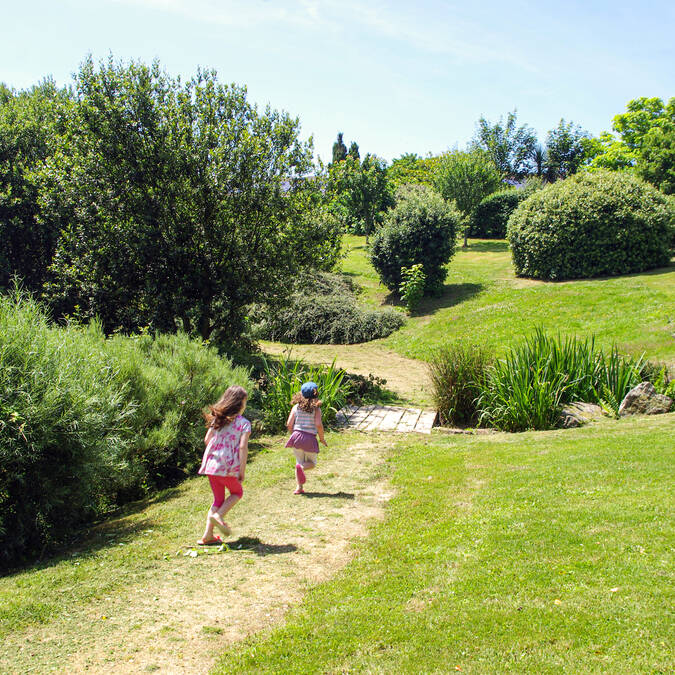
{"x":349,"y":410}
{"x":409,"y":420}
{"x":360,"y":415}
{"x":342,"y":417}
{"x":374,"y":420}
{"x":426,"y":421}
{"x":391,"y":418}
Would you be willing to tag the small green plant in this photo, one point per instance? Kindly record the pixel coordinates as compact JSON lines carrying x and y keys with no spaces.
{"x":609,"y":403}
{"x":412,"y":286}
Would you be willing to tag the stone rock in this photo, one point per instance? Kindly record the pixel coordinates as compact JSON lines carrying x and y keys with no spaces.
{"x":643,"y":400}
{"x":578,"y":413}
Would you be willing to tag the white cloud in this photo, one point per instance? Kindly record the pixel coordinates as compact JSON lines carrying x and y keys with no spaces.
{"x":428,"y":27}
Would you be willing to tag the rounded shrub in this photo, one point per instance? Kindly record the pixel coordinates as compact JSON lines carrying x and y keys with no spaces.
{"x":490,"y":217}
{"x":322,"y":309}
{"x":420,"y":229}
{"x":592,"y":224}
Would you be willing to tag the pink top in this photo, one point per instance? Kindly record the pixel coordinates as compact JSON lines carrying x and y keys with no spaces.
{"x":221,"y":457}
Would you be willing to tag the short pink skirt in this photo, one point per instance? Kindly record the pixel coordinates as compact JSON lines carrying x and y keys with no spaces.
{"x":303,"y":440}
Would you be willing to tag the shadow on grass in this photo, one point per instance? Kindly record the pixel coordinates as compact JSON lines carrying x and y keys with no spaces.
{"x":487,"y":246}
{"x":452,"y":294}
{"x":329,"y":495}
{"x":668,"y":269}
{"x":85,"y":543}
{"x":259,"y":548}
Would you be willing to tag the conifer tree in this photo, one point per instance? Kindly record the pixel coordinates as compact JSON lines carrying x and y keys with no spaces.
{"x":339,"y":149}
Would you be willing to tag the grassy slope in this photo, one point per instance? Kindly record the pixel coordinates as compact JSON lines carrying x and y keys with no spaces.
{"x":539,"y":552}
{"x":484,"y":301}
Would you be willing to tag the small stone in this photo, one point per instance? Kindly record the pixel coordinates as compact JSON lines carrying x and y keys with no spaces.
{"x":578,"y":413}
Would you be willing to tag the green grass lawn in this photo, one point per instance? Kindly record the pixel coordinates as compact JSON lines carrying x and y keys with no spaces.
{"x":540,"y":552}
{"x":483,"y":301}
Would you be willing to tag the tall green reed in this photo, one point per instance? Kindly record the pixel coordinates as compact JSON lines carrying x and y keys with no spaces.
{"x":527,"y":388}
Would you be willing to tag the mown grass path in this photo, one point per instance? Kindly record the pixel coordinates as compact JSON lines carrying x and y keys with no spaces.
{"x":128,"y":599}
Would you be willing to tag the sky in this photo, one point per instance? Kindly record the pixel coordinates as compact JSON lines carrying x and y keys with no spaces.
{"x":394,"y":76}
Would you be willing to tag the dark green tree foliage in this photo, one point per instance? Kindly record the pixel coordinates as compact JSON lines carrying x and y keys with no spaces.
{"x":30,"y":127}
{"x":510,"y":146}
{"x":421,"y":228}
{"x":490,"y":217}
{"x":593,"y":224}
{"x":339,"y":149}
{"x":361,"y":192}
{"x":184,"y":202}
{"x":564,"y":150}
{"x":354,"y":150}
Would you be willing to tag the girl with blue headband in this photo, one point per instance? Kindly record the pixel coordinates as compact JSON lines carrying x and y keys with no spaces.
{"x":304,"y":423}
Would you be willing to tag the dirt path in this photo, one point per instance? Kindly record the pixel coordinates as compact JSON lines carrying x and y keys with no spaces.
{"x":406,"y":377}
{"x":181,"y":617}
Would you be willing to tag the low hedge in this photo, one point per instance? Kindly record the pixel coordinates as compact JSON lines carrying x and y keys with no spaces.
{"x":323,"y":310}
{"x":603,"y":223}
{"x":490,"y":217}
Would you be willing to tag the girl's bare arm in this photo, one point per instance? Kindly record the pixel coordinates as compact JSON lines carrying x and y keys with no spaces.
{"x":209,"y":433}
{"x":319,"y":426}
{"x":291,"y":419}
{"x":243,"y":454}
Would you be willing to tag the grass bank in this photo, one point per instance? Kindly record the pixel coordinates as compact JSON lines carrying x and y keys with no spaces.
{"x":532,"y":553}
{"x":484,"y":301}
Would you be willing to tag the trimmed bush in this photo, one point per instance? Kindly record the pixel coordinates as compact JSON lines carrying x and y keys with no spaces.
{"x":592,"y":224}
{"x":457,"y":372}
{"x":490,"y":217}
{"x":88,"y":423}
{"x":421,"y":228}
{"x":323,"y":310}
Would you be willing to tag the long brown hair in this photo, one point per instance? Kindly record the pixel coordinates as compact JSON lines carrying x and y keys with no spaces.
{"x":229,"y":405}
{"x":306,"y":404}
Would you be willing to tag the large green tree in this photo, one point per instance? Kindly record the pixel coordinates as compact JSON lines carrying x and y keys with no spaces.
{"x":646,"y":142}
{"x":510,"y":146}
{"x":30,"y":125}
{"x":184,"y":203}
{"x":466,"y":178}
{"x":564,"y":150}
{"x":361,"y":192}
{"x":411,"y":169}
{"x":657,"y":151}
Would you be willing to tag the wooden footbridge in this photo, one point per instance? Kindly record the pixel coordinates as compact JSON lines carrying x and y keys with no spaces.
{"x":386,"y":418}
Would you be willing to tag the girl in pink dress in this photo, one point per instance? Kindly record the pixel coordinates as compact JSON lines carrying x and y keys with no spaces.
{"x":224,"y":460}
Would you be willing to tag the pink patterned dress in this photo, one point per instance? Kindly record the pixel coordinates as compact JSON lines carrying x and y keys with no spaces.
{"x":221,"y":457}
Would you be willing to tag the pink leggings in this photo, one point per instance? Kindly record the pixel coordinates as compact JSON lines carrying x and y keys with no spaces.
{"x":218,"y":485}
